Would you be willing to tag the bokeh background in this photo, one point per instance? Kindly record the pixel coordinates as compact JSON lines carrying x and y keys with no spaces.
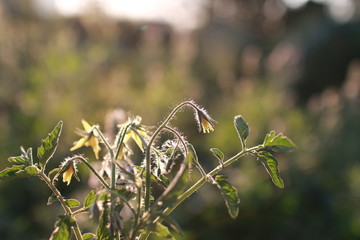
{"x":288,"y":65}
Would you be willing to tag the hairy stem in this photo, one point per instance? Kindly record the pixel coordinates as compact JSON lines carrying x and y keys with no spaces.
{"x":112,"y":156}
{"x":104,"y":183}
{"x":203,"y":180}
{"x":62,"y":201}
{"x":148,"y":150}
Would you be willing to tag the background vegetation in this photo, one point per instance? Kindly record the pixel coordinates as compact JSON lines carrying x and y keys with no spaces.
{"x":296,"y":71}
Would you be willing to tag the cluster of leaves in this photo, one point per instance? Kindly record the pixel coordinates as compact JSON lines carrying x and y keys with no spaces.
{"x":24,"y":165}
{"x":124,"y":204}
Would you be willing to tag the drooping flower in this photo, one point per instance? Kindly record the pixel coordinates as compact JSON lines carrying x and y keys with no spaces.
{"x":205,"y":122}
{"x":69,"y":169}
{"x":135,"y":131}
{"x":89,"y":139}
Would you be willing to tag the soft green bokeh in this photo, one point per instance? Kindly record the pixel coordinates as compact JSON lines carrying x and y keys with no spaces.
{"x":82,"y":68}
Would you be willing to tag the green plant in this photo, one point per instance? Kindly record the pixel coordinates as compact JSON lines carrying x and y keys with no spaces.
{"x":124,"y":205}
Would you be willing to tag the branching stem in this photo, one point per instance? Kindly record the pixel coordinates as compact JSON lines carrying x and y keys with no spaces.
{"x":62,"y":201}
{"x":148,"y":149}
{"x":203,"y":180}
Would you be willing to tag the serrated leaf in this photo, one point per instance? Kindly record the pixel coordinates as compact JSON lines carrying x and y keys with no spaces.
{"x":218,"y":154}
{"x":18,"y":160}
{"x":270,"y":165}
{"x":163,"y":232}
{"x":49,"y":144}
{"x":241,"y":127}
{"x":62,"y":229}
{"x":51,"y":199}
{"x":72,"y":203}
{"x":278,"y":143}
{"x":18,"y":171}
{"x":90,"y":199}
{"x":89,"y":236}
{"x":24,"y":159}
{"x":102,"y":231}
{"x":229,"y":194}
{"x":269,"y":137}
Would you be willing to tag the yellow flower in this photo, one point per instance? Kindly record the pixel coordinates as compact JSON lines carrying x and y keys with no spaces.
{"x":205,"y":122}
{"x":133,"y":132}
{"x":89,"y":139}
{"x":69,"y":169}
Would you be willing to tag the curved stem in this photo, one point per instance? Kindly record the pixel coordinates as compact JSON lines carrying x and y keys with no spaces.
{"x":104,"y":183}
{"x":121,"y":141}
{"x":112,"y":157}
{"x":104,"y":140}
{"x":148,"y":148}
{"x":203,"y":180}
{"x":62,"y":201}
{"x":173,"y":131}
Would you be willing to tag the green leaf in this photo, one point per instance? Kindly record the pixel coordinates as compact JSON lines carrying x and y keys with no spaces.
{"x":49,"y":144}
{"x":72,"y":203}
{"x":241,"y":127}
{"x":89,"y":236}
{"x":278,"y":143}
{"x":218,"y":154}
{"x":270,"y":136}
{"x":62,"y":229}
{"x":161,"y":163}
{"x":102,"y":231}
{"x":229,"y":194}
{"x":270,"y":165}
{"x":163,"y":232}
{"x":24,"y":159}
{"x":18,"y":171}
{"x":90,"y":199}
{"x":51,"y":199}
{"x":18,"y":160}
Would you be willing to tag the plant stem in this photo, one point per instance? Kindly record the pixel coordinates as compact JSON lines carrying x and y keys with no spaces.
{"x":106,"y":185}
{"x":173,"y":131}
{"x":112,"y":156}
{"x":201,"y":181}
{"x":148,"y":148}
{"x":62,"y":201}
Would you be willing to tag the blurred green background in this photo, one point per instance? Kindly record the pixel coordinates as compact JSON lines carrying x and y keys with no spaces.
{"x":292,"y":66}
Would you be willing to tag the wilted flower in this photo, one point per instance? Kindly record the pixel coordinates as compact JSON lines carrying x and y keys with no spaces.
{"x":68,"y":169}
{"x":89,"y":139}
{"x":133,"y":132}
{"x":205,"y":122}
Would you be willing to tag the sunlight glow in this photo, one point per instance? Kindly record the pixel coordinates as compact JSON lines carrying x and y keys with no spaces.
{"x":182,"y":14}
{"x":340,"y":10}
{"x":70,"y":7}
